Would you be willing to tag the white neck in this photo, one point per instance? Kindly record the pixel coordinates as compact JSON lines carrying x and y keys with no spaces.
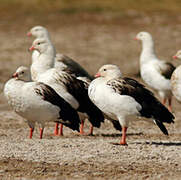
{"x":44,"y":61}
{"x":148,"y":51}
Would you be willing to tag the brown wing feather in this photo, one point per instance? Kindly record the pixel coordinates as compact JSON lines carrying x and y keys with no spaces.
{"x":167,"y":70}
{"x":126,"y":86}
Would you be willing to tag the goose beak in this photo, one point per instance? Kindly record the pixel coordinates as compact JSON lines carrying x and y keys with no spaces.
{"x":174,"y":57}
{"x":15,"y":75}
{"x":135,"y":38}
{"x":97,"y":75}
{"x":29,"y":34}
{"x":31,"y":48}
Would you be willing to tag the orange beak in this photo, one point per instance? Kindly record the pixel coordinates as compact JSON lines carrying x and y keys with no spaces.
{"x":135,"y":38}
{"x":15,"y":75}
{"x":97,"y":75}
{"x":29,"y":34}
{"x":174,"y":57}
{"x":31,"y":48}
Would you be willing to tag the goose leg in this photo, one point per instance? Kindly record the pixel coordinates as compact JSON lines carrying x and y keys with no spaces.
{"x":56,"y":129}
{"x":82,"y":127}
{"x":31,"y":133}
{"x":123,"y":139}
{"x":91,"y":130}
{"x":170,"y":104}
{"x":61,"y":130}
{"x":41,"y":132}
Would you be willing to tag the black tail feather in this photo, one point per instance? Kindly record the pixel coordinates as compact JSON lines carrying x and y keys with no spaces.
{"x":161,"y":126}
{"x":116,"y":125}
{"x":72,"y":125}
{"x":151,"y":106}
{"x":95,"y":115}
{"x":68,"y":116}
{"x":157,"y":110}
{"x":79,"y":90}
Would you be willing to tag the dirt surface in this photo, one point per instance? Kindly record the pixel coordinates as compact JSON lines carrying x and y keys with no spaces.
{"x":92,"y":42}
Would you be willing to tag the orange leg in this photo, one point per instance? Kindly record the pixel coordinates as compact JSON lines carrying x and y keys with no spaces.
{"x":41,"y":133}
{"x":31,"y":133}
{"x":91,"y":130}
{"x":123,"y":139}
{"x":61,"y":130}
{"x":82,"y":127}
{"x":170,"y":104}
{"x":56,"y":129}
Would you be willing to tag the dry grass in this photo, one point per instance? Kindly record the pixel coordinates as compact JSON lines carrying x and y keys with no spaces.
{"x":91,"y":6}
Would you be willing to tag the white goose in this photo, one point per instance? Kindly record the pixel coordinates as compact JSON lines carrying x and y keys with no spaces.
{"x":120,"y":97}
{"x":176,"y":79}
{"x":70,"y":88}
{"x":154,"y":72}
{"x":62,"y":63}
{"x":38,"y":102}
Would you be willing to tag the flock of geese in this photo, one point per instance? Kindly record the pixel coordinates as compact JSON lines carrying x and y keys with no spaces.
{"x":55,"y":88}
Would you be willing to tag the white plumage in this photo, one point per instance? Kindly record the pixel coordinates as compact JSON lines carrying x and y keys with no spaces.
{"x":176,"y":79}
{"x":37,"y":102}
{"x":155,"y":73}
{"x":121,"y":97}
{"x":70,"y":88}
{"x":61,"y":63}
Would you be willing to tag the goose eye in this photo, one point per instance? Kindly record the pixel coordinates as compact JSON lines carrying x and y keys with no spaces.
{"x":22,"y":72}
{"x":39,"y":43}
{"x":104,"y":69}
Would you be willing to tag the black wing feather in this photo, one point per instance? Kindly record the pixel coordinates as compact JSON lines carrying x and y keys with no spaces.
{"x":73,"y":67}
{"x":167,"y":70}
{"x":79,"y":90}
{"x":151,"y":106}
{"x":69,"y":116}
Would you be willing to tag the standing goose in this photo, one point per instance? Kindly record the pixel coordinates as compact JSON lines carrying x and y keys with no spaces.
{"x":62,"y":62}
{"x":38,"y":102}
{"x":120,"y":97}
{"x":176,"y":79}
{"x":70,"y":88}
{"x":155,"y":72}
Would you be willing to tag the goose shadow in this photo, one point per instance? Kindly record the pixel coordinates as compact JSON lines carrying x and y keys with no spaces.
{"x":160,"y":143}
{"x":118,"y":134}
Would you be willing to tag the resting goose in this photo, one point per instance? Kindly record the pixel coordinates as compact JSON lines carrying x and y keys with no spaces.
{"x":38,"y":102}
{"x":62,"y":62}
{"x":155,"y":72}
{"x":120,"y":97}
{"x":70,"y":88}
{"x":176,"y":79}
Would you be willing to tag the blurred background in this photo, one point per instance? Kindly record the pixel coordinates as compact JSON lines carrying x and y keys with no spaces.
{"x":92,"y":32}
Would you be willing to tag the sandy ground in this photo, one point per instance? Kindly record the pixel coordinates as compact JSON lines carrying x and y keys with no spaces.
{"x":149,"y":154}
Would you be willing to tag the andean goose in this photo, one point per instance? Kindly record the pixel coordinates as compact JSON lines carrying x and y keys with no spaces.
{"x":38,"y":102}
{"x":120,"y":97}
{"x":73,"y":90}
{"x":62,"y":62}
{"x":155,"y":73}
{"x":176,"y":79}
